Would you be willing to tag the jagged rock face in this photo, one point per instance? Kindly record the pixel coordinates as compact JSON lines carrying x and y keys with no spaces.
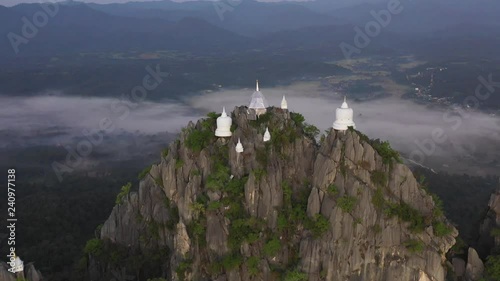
{"x":475,"y":268}
{"x":315,"y":202}
{"x":30,"y":273}
{"x":489,"y":239}
{"x":364,"y":244}
{"x":5,"y":275}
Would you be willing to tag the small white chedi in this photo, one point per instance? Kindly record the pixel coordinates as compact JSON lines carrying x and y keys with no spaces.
{"x":239,"y":147}
{"x":18,"y":265}
{"x":284,"y":103}
{"x":258,"y":101}
{"x":224,"y":123}
{"x":344,"y":117}
{"x":267,"y":135}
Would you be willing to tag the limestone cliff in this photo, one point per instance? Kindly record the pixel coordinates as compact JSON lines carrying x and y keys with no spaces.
{"x":288,"y":209}
{"x":489,"y":231}
{"x":29,"y":273}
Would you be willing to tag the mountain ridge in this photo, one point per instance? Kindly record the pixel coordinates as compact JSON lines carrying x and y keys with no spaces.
{"x":289,"y":208}
{"x":115,"y":33}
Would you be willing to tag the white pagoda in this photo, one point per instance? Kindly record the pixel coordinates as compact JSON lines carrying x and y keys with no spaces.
{"x":239,"y":147}
{"x":344,"y":117}
{"x":267,"y":135}
{"x":224,"y":123}
{"x":258,"y":102}
{"x":18,"y":265}
{"x":284,"y":103}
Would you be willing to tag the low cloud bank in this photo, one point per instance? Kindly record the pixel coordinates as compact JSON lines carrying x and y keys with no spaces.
{"x":454,"y":140}
{"x":59,"y":119}
{"x":459,"y":141}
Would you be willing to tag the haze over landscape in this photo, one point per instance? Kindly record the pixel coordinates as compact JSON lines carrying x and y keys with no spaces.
{"x":422,"y":75}
{"x":15,"y":2}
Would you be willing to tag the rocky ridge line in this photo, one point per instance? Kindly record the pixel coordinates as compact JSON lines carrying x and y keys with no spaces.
{"x":289,"y":208}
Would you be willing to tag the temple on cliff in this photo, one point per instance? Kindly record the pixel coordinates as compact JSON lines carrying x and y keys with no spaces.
{"x":344,"y":117}
{"x":224,"y":123}
{"x":258,"y":101}
{"x":258,"y":106}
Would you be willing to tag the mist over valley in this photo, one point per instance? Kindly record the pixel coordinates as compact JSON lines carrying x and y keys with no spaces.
{"x":99,"y":94}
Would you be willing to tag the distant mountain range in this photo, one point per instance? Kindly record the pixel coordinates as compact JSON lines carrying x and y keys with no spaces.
{"x":206,"y":27}
{"x":79,"y":28}
{"x":247,"y":17}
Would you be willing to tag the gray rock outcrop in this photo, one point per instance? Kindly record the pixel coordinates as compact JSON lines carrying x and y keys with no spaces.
{"x":290,"y":207}
{"x":475,"y":268}
{"x":5,"y":275}
{"x":489,"y":230}
{"x":30,"y":273}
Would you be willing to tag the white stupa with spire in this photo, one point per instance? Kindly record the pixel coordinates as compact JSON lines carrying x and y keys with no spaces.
{"x":18,"y":265}
{"x":267,"y":135}
{"x":258,"y":102}
{"x":239,"y":147}
{"x":284,"y":103}
{"x":344,"y":117}
{"x":224,"y":123}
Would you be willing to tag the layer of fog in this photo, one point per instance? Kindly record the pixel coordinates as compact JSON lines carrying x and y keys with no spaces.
{"x":42,"y":129}
{"x":471,"y":146}
{"x":59,"y":119}
{"x":471,"y":139}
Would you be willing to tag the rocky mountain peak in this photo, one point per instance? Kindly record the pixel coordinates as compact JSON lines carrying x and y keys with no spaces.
{"x":292,"y":208}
